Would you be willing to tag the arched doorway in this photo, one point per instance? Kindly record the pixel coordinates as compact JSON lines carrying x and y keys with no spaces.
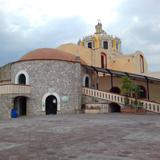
{"x":114,"y":107}
{"x":51,"y":105}
{"x":22,"y":79}
{"x":115,"y":90}
{"x":20,"y":104}
{"x":142,"y":94}
{"x":87,"y":82}
{"x":103,"y":60}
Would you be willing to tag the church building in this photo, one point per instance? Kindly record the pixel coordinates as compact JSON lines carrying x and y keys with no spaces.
{"x":67,"y":78}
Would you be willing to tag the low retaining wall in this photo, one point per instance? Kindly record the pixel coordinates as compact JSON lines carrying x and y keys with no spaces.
{"x":96,"y":108}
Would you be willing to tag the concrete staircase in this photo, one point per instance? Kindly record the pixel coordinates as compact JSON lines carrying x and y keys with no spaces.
{"x":147,"y":105}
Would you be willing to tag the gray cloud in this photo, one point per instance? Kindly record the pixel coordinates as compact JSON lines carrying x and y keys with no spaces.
{"x":18,"y":38}
{"x":138,"y":26}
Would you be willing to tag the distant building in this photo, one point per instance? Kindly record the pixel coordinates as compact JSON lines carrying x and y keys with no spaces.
{"x":63,"y":80}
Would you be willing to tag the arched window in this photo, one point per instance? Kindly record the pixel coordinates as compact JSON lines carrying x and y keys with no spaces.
{"x":105,"y":44}
{"x":89,"y":44}
{"x":22,"y":79}
{"x":141,"y":64}
{"x":103,"y":60}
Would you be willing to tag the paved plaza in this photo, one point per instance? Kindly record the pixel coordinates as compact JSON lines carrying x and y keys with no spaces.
{"x":81,"y":137}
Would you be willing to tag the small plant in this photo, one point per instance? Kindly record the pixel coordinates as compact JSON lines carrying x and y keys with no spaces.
{"x":140,"y":104}
{"x":126,"y":101}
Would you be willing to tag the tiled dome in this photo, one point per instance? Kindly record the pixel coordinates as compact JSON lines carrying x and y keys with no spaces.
{"x":49,"y":54}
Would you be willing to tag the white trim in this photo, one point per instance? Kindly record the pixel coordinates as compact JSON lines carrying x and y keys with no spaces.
{"x":49,"y":94}
{"x":19,"y":73}
{"x":84,"y":78}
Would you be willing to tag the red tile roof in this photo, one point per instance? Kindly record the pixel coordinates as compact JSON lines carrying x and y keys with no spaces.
{"x":50,"y":54}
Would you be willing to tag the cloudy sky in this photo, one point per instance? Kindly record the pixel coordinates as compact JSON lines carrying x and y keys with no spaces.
{"x":29,"y":24}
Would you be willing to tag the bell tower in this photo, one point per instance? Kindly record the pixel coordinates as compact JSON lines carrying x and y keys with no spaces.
{"x":98,"y":28}
{"x":101,"y":40}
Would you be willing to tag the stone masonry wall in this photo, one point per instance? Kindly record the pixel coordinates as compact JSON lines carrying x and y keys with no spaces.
{"x":5,"y":72}
{"x":104,"y":105}
{"x":60,"y":77}
{"x":6,"y":103}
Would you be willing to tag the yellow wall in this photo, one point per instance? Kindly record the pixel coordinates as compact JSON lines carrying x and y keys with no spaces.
{"x":105,"y":85}
{"x":127,"y":63}
{"x":84,"y":53}
{"x":154,"y":92}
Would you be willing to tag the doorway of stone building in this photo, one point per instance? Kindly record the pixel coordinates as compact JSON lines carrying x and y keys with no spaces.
{"x":51,"y":105}
{"x":20,"y":104}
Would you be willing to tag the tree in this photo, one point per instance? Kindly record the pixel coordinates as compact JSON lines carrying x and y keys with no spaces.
{"x":130,"y":89}
{"x":135,"y":91}
{"x":127,"y":86}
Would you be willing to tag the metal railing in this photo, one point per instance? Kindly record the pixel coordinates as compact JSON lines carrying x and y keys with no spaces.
{"x":150,"y":106}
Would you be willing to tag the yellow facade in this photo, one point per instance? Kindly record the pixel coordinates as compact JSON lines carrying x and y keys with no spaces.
{"x":104,"y":84}
{"x":114,"y":44}
{"x":104,"y":51}
{"x":84,"y":53}
{"x":96,"y":41}
{"x":91,"y":48}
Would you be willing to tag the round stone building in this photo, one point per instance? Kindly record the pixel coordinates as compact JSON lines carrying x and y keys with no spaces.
{"x":54,"y":79}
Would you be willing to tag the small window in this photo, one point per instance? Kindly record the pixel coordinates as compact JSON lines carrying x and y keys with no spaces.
{"x":141,"y":64}
{"x":105,"y":45}
{"x":90,"y":45}
{"x":22,"y":79}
